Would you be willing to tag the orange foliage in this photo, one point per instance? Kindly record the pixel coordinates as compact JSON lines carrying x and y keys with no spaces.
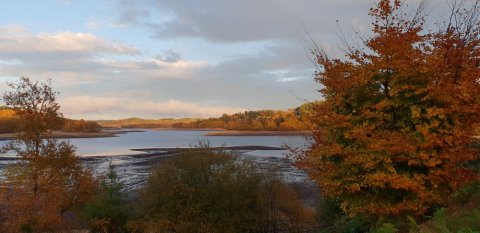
{"x":292,"y":119}
{"x":7,"y":113}
{"x":80,"y":126}
{"x":395,"y":129}
{"x":8,"y":120}
{"x":40,"y":192}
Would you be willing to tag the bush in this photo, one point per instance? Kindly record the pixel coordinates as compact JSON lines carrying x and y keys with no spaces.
{"x":108,"y":212}
{"x":446,"y":221}
{"x":206,"y":191}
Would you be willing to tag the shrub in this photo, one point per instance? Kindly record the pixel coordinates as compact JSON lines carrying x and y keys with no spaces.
{"x":108,"y":213}
{"x":206,"y":191}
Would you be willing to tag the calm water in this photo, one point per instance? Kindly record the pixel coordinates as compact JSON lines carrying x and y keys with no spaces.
{"x":133,"y":171}
{"x":122,"y":144}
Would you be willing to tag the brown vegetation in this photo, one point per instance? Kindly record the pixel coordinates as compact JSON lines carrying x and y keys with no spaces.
{"x":9,"y":123}
{"x":297,"y":119}
{"x":396,"y":128}
{"x":50,"y":182}
{"x":206,"y":191}
{"x":80,"y":126}
{"x":143,"y":123}
{"x":290,"y":120}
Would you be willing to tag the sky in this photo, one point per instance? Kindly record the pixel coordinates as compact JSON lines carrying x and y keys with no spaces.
{"x":112,"y":59}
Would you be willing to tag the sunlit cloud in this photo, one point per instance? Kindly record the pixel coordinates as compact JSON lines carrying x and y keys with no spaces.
{"x":102,"y":106}
{"x":290,"y":79}
{"x":16,"y":40}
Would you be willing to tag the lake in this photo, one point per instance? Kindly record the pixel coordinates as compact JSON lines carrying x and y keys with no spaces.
{"x":134,"y":169}
{"x":136,"y":139}
{"x":122,"y":144}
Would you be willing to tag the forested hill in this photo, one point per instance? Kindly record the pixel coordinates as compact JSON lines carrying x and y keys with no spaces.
{"x":292,"y":119}
{"x":9,"y":122}
{"x":281,"y":120}
{"x":135,"y":122}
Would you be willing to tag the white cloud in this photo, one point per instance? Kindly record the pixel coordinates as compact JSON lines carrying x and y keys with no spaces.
{"x":93,"y":25}
{"x":84,"y":66}
{"x":17,"y":40}
{"x":290,"y":79}
{"x":75,"y":55}
{"x":96,"y":107}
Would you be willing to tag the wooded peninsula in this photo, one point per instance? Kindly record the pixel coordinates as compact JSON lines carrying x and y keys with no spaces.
{"x":297,"y":119}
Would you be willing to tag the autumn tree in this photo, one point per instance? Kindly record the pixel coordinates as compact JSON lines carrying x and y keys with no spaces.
{"x":396,"y":126}
{"x":50,"y":180}
{"x":35,"y":104}
{"x":80,"y":126}
{"x":7,"y":120}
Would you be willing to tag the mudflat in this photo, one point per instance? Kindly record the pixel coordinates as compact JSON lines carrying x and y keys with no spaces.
{"x":258,"y":133}
{"x":62,"y":134}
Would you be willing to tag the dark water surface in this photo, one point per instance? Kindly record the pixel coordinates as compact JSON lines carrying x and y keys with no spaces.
{"x":134,"y":169}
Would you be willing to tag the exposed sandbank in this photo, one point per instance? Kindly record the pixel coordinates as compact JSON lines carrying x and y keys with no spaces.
{"x":258,"y":133}
{"x":62,"y":134}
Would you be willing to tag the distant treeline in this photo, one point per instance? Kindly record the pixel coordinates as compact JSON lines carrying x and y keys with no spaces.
{"x":9,"y":121}
{"x":292,"y":119}
{"x":80,"y":126}
{"x":285,"y":120}
{"x":143,"y":123}
{"x":282,"y":120}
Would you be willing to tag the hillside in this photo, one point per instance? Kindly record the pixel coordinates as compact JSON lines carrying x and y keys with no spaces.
{"x":7,"y":120}
{"x":8,"y":123}
{"x":135,"y":122}
{"x":280,"y":120}
{"x":271,"y":120}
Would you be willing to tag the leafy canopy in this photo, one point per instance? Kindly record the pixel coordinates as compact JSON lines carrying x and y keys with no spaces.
{"x":49,"y":181}
{"x":396,"y":127}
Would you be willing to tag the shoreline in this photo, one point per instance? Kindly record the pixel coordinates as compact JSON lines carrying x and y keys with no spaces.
{"x":209,"y":132}
{"x":181,"y":149}
{"x":134,"y":169}
{"x":67,"y":135}
{"x":258,"y":133}
{"x":189,"y":129}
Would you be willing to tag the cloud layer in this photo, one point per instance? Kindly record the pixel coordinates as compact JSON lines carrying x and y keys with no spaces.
{"x":252,"y":20}
{"x":171,"y":58}
{"x":97,"y":107}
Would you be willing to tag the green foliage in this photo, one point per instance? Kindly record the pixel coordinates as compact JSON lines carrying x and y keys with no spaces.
{"x":328,"y":212}
{"x":443,"y":221}
{"x":348,"y":225}
{"x":386,"y":228}
{"x":467,"y":193}
{"x":461,"y":216}
{"x":108,"y":212}
{"x":205,"y":191}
